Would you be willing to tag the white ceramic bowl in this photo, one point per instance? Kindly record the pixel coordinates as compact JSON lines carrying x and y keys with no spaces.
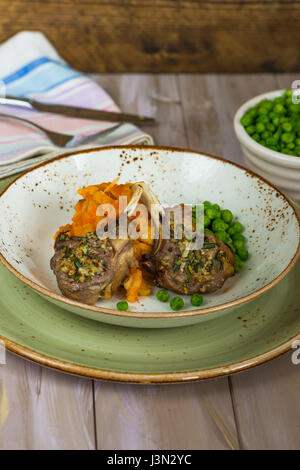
{"x":282,"y":170}
{"x":37,"y":203}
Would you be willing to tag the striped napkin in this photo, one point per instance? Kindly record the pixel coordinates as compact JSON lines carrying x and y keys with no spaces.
{"x":31,"y":67}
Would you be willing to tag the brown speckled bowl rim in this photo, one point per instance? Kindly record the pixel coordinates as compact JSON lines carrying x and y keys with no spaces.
{"x":153,"y":315}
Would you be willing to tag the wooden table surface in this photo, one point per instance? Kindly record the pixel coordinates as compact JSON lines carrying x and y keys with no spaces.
{"x":257,"y":409}
{"x":164,"y":35}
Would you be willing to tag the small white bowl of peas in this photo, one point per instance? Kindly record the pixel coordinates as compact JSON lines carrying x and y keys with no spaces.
{"x":268,"y":128}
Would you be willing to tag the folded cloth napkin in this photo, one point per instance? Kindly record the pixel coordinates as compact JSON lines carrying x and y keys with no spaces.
{"x":31,"y":67}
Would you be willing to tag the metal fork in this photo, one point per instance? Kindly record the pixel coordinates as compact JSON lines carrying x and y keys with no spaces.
{"x":59,"y":139}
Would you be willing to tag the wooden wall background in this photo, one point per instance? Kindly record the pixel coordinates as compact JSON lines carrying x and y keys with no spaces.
{"x":164,"y":35}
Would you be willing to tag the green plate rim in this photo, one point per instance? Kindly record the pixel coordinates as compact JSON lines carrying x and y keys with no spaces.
{"x":142,"y":378}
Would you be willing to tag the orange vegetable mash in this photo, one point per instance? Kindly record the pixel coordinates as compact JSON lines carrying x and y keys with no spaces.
{"x":85,"y":220}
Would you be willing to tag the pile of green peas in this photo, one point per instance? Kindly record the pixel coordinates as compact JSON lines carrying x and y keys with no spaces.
{"x":275,"y":124}
{"x":222,"y":224}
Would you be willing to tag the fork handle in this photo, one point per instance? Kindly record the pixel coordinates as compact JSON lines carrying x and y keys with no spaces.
{"x":56,"y":137}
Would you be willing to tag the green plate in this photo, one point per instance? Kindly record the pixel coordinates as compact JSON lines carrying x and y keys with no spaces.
{"x":38,"y":330}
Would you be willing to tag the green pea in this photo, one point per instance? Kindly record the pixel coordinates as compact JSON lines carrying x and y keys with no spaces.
{"x":279,"y":108}
{"x":227,"y":216}
{"x":176,"y":303}
{"x":265,"y":135}
{"x":210,"y":232}
{"x":263,"y":118}
{"x":207,"y":204}
{"x":270,"y":127}
{"x":297,"y":151}
{"x":262,"y":110}
{"x":287,"y":137}
{"x":260,"y":127}
{"x":218,"y":225}
{"x":291,"y":146}
{"x":207,"y":221}
{"x":288,"y":93}
{"x":243,"y":254}
{"x":252,"y":112}
{"x":268,"y":104}
{"x":238,"y":240}
{"x":239,"y":244}
{"x":272,"y":115}
{"x":222,"y":235}
{"x":287,"y":126}
{"x":238,"y":236}
{"x":237,"y":227}
{"x":163,"y":295}
{"x":122,"y":305}
{"x":246,"y":120}
{"x":196,"y":300}
{"x":256,"y":137}
{"x":276,"y":121}
{"x":250,"y":130}
{"x":211,"y":212}
{"x":271,"y":141}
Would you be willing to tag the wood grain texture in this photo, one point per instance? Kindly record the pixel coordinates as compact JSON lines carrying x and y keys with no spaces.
{"x":189,"y":416}
{"x":209,"y":105}
{"x":267,"y":405}
{"x":152,"y":95}
{"x":164,"y":35}
{"x":44,"y":409}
